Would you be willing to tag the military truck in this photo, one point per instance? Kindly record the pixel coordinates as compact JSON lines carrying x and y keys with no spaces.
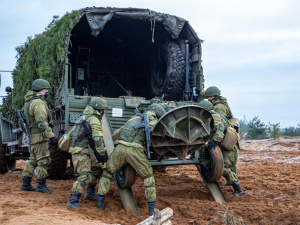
{"x":126,"y":55}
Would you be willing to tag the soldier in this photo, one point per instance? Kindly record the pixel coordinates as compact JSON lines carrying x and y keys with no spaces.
{"x":38,"y":119}
{"x":158,"y":101}
{"x":129,"y":149}
{"x":213,"y":94}
{"x":84,"y":160}
{"x":230,"y":157}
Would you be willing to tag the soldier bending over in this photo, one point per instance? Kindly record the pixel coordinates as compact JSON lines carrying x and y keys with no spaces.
{"x":85,"y":163}
{"x":129,"y":149}
{"x":230,"y":156}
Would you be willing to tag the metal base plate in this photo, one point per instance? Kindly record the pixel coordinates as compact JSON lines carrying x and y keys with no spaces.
{"x":214,"y":189}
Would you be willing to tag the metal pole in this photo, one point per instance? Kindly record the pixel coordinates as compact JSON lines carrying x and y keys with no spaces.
{"x":187,"y":68}
{"x":187,"y":91}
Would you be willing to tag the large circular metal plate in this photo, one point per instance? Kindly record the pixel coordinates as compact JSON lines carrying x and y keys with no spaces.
{"x":215,"y":170}
{"x":182,"y":131}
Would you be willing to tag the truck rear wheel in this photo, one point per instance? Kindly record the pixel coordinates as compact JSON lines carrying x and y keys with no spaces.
{"x":10,"y":163}
{"x":59,"y":159}
{"x":6,"y":163}
{"x":215,"y":170}
{"x":126,"y":176}
{"x":168,"y":72}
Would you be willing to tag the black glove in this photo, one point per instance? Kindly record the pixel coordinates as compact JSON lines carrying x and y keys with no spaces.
{"x":51,"y":142}
{"x":101,"y":159}
{"x":213,"y":144}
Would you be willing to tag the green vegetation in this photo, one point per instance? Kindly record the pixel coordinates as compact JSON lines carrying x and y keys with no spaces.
{"x":274,"y":130}
{"x":292,"y":131}
{"x":43,"y":57}
{"x":8,"y":112}
{"x":257,"y":129}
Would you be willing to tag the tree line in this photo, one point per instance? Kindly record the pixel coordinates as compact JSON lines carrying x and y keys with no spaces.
{"x":256,"y":129}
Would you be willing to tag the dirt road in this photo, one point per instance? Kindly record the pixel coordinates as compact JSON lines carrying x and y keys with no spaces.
{"x":269,"y":175}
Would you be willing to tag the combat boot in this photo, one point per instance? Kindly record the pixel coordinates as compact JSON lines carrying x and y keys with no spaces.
{"x":90,"y":193}
{"x":227,"y":185}
{"x":100,"y":201}
{"x":42,"y":186}
{"x":237,"y":189}
{"x":74,"y":200}
{"x":151,"y":206}
{"x":26,"y":185}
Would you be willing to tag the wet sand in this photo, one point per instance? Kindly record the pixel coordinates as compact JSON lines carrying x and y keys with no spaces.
{"x":269,"y":173}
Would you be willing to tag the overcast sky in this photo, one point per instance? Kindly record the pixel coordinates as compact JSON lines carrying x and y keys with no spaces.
{"x":251,"y":48}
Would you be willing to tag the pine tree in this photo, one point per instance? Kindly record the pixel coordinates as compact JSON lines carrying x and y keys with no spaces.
{"x":274,"y":130}
{"x":257,"y":129}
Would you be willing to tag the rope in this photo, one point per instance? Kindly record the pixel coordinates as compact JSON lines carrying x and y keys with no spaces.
{"x":152,"y":20}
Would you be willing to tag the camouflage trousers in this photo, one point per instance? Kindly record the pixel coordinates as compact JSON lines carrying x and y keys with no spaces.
{"x":39,"y":160}
{"x":88,"y":171}
{"x":230,"y":160}
{"x":122,"y":155}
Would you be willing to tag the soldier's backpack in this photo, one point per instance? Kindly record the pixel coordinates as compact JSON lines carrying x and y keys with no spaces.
{"x":65,"y":141}
{"x":230,"y":139}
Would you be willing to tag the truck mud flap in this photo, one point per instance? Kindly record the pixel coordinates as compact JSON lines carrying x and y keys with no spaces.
{"x":126,"y":194}
{"x":213,"y":188}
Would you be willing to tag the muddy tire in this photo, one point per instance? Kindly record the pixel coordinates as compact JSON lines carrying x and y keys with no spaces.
{"x":10,"y":164}
{"x":6,"y":163}
{"x":126,"y":176}
{"x":168,"y":72}
{"x":59,"y":160}
{"x":3,"y":168}
{"x":215,"y":170}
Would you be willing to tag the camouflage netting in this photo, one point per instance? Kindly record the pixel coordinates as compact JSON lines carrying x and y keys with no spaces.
{"x":43,"y":57}
{"x":8,"y":112}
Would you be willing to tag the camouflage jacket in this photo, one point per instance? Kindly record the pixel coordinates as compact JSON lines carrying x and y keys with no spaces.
{"x":135,"y":136}
{"x":38,"y":117}
{"x":93,"y":118}
{"x":221,"y":106}
{"x":221,"y":124}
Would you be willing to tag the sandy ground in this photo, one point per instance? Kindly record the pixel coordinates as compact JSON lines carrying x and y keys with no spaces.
{"x":269,"y":175}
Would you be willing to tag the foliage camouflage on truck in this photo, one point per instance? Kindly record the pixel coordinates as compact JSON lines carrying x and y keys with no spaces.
{"x":44,"y":55}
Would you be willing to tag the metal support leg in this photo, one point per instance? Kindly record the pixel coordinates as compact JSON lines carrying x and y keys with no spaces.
{"x":214,"y":189}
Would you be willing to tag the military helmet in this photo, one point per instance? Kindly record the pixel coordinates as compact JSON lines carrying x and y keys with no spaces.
{"x":207,"y":105}
{"x":212,"y":91}
{"x":40,"y":84}
{"x":98,"y":103}
{"x":158,"y":109}
{"x":155,"y":100}
{"x":8,"y":89}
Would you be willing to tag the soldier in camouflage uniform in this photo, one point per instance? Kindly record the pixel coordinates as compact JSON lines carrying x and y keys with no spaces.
{"x":129,"y":149}
{"x":213,"y":94}
{"x":38,"y":119}
{"x":158,"y":101}
{"x":86,"y":165}
{"x":230,"y":157}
